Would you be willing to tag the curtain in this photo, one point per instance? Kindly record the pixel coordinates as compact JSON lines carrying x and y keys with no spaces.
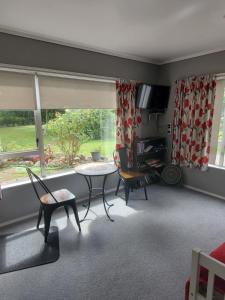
{"x":192,"y":125}
{"x":128,"y":118}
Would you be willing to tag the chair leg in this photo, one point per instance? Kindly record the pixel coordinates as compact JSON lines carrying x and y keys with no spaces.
{"x":47,"y":218}
{"x":39,"y":216}
{"x":146,"y":195}
{"x":127,"y":190}
{"x":67,"y":211}
{"x":74,"y":207}
{"x":118,"y":186}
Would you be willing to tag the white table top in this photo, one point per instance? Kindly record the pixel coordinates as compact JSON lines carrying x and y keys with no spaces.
{"x":96,"y":169}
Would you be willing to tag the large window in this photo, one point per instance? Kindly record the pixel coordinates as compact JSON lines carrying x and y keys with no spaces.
{"x":71,"y":137}
{"x":51,"y":124}
{"x":18,"y":148}
{"x":217,"y":153}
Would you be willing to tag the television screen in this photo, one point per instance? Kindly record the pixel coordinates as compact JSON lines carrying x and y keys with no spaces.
{"x":153,"y":97}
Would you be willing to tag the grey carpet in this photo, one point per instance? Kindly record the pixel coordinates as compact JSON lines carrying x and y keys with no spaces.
{"x":144,"y":254}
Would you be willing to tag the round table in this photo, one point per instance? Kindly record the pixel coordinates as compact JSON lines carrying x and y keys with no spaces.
{"x":93,"y":170}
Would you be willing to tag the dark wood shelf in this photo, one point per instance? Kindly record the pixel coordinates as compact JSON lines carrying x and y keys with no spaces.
{"x":151,"y":152}
{"x":157,"y":153}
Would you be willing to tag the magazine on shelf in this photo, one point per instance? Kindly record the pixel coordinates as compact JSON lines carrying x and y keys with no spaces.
{"x":140,"y":147}
{"x":154,"y":163}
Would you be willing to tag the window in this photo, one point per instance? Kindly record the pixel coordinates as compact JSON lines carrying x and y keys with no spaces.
{"x":51,"y":124}
{"x":71,"y":135}
{"x":217,"y":153}
{"x":18,"y":148}
{"x":85,"y":123}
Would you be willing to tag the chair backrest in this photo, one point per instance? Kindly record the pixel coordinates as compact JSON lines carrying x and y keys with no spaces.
{"x":122,"y":152}
{"x":37,"y":180}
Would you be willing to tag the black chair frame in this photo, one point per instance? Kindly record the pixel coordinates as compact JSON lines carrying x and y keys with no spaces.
{"x":48,"y":209}
{"x":129,"y":184}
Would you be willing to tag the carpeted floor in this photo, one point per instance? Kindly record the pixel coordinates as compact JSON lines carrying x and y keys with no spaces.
{"x":144,"y":254}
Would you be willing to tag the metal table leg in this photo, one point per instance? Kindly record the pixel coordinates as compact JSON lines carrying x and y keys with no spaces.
{"x":90,"y":188}
{"x":89,"y":183}
{"x":104,"y":200}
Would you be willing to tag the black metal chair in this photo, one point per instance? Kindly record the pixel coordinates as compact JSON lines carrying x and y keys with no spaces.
{"x":51,"y":201}
{"x":132,"y":178}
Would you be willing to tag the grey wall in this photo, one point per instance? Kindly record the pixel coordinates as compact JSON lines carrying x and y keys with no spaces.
{"x":20,"y":201}
{"x":15,"y":50}
{"x":212,"y":180}
{"x":33,"y":53}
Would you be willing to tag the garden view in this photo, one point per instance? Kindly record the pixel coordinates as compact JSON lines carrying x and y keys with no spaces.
{"x":69,"y":138}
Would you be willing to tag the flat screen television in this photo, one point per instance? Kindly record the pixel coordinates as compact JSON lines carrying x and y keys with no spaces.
{"x":153,"y":97}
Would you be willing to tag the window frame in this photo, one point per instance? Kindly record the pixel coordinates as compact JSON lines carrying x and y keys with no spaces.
{"x":37,"y":114}
{"x":215,"y":143}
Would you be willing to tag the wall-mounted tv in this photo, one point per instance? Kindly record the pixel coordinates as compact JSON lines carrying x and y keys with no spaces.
{"x":153,"y":97}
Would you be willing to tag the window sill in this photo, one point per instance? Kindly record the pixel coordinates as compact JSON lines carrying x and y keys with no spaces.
{"x":25,"y":182}
{"x":216,"y":167}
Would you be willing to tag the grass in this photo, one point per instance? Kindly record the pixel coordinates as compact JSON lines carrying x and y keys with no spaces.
{"x":22,"y":138}
{"x":17,"y":138}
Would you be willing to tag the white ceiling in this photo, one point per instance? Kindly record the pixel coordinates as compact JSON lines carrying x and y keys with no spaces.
{"x":148,"y":30}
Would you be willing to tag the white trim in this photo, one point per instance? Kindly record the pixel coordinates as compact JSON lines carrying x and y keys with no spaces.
{"x":38,"y":125}
{"x":220,"y":76}
{"x":29,"y":216}
{"x":216,"y":167}
{"x":48,"y":177}
{"x":54,"y":73}
{"x":79,"y":46}
{"x":197,"y":54}
{"x":204,"y":192}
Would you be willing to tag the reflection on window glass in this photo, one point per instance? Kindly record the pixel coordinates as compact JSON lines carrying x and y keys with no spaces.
{"x":217,"y":153}
{"x":77,"y":136}
{"x":17,"y":134}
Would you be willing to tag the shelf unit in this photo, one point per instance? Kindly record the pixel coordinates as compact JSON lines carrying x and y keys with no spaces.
{"x":157,"y":152}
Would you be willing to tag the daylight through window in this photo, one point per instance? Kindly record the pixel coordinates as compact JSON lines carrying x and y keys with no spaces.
{"x":77,"y":118}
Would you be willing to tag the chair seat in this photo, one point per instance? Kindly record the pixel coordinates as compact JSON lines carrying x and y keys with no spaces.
{"x":131,"y":175}
{"x":60,"y":195}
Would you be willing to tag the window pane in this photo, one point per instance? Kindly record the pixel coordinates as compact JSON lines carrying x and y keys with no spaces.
{"x":17,"y":145}
{"x":71,"y":135}
{"x":217,"y":154}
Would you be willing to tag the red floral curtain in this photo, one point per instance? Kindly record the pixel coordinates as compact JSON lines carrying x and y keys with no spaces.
{"x":128,"y":117}
{"x":194,"y":103}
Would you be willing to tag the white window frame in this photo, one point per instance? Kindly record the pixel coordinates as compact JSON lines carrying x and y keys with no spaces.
{"x":37,"y":112}
{"x":220,"y":106}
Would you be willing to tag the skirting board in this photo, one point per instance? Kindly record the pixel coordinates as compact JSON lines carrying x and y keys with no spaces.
{"x":29,"y":216}
{"x":203,"y":191}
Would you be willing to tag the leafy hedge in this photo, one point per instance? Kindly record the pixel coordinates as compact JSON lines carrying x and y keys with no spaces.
{"x":20,"y":118}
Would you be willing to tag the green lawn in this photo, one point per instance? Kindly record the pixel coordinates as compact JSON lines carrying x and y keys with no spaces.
{"x":22,"y":138}
{"x":17,"y":138}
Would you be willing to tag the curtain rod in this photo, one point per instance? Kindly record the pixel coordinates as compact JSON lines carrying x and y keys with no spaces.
{"x":55,"y":73}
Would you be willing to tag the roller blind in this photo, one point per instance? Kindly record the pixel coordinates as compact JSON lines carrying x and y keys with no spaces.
{"x":16,"y":91}
{"x":76,"y":93}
